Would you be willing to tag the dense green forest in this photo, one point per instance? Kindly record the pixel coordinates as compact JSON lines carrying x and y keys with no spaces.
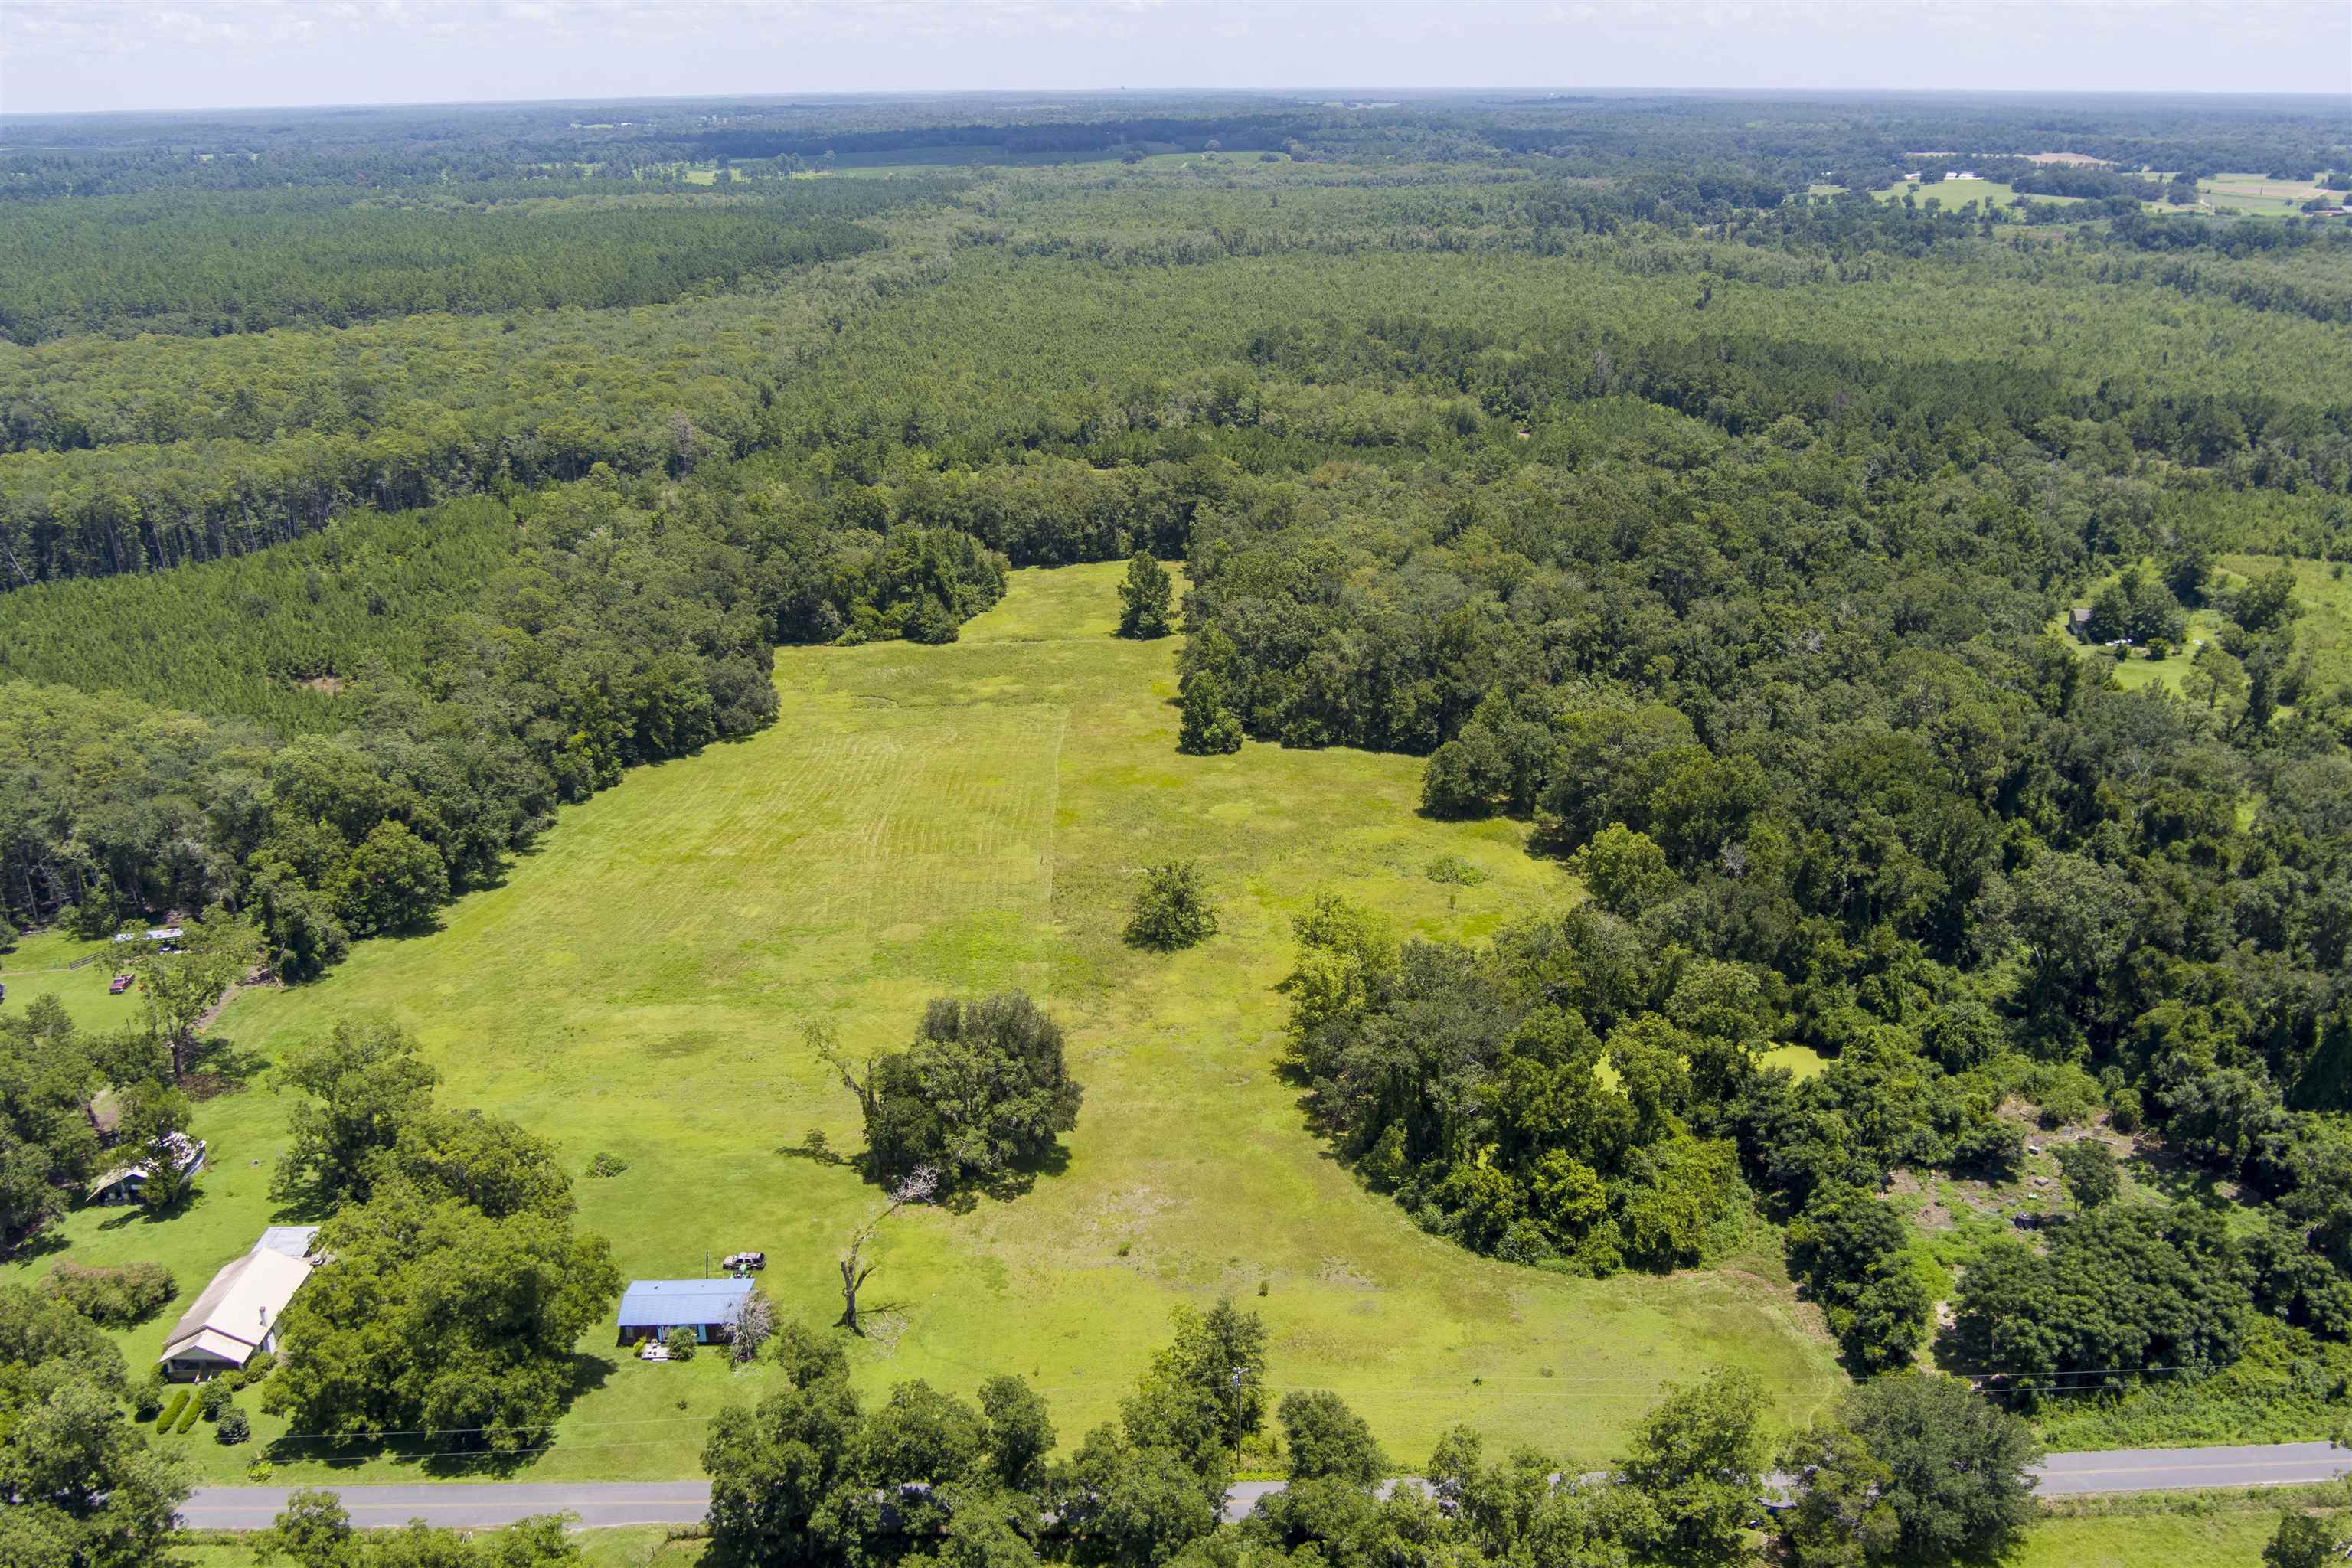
{"x":365,"y":498}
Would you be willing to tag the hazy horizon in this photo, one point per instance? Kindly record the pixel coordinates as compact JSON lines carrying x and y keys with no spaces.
{"x":199,"y":56}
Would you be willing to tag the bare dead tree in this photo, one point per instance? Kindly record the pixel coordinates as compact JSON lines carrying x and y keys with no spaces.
{"x":917,"y":1187}
{"x":753,"y":1323}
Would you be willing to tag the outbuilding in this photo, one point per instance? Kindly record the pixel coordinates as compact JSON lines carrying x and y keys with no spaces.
{"x":650,"y":1309}
{"x":121,"y":1183}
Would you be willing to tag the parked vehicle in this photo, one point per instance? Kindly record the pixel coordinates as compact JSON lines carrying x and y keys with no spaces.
{"x":744,"y":1260}
{"x":118,"y":985}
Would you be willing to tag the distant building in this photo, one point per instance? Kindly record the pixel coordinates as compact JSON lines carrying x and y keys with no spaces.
{"x":237,"y":1315}
{"x":651,"y":1307}
{"x":2078,"y":620}
{"x":121,"y":1184}
{"x":154,"y":933}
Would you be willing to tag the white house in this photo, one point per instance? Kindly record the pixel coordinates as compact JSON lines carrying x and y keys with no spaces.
{"x":237,"y":1315}
{"x":121,"y":1184}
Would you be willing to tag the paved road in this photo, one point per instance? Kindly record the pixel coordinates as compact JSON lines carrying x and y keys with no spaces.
{"x":2175,"y":1470}
{"x":464,"y":1504}
{"x":473,"y":1505}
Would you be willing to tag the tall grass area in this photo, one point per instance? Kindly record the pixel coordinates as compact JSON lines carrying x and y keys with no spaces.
{"x":239,"y":637}
{"x":961,"y":819}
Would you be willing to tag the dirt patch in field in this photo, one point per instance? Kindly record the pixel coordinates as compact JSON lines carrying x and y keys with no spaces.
{"x":325,"y":685}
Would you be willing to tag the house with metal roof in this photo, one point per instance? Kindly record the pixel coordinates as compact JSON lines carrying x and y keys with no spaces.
{"x":651,"y":1307}
{"x":121,"y":1183}
{"x":237,"y":1315}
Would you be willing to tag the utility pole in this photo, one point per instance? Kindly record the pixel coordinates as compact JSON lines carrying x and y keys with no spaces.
{"x":1239,"y":1373}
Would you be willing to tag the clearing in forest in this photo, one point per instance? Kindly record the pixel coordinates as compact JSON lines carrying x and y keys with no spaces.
{"x":960,"y":819}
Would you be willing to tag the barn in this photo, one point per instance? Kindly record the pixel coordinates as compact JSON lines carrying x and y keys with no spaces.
{"x":651,"y":1307}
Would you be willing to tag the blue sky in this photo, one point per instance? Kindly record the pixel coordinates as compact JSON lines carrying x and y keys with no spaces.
{"x":184,"y":54}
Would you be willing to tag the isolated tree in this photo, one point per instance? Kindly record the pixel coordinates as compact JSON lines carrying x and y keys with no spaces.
{"x":983,"y":1091}
{"x":1144,"y":598}
{"x":1173,"y":910}
{"x":755,"y":1321}
{"x":2088,"y":1169}
{"x":179,"y":988}
{"x":917,"y":1186}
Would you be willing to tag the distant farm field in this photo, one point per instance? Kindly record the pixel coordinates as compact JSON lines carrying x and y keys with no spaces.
{"x":1956,"y":194}
{"x":931,"y":820}
{"x":2244,"y":193}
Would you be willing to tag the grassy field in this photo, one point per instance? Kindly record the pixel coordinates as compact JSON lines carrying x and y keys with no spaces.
{"x":2245,"y":193}
{"x":2233,"y":1538}
{"x":2325,"y":589}
{"x":1955,"y":194}
{"x":38,"y":966}
{"x":957,"y":819}
{"x":2325,"y":628}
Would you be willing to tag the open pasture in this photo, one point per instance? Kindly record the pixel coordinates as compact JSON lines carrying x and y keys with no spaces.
{"x":930,"y":820}
{"x":1957,"y":194}
{"x":2247,"y":193}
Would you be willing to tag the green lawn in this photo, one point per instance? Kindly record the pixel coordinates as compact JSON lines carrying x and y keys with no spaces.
{"x":925,"y":820}
{"x":38,"y":966}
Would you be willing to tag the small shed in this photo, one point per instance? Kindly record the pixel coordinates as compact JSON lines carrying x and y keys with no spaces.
{"x":651,"y":1307}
